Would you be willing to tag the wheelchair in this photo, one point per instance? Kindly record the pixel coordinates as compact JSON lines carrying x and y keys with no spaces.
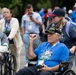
{"x":7,"y":64}
{"x":63,"y":68}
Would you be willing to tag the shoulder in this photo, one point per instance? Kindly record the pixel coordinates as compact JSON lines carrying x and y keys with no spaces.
{"x":36,"y":13}
{"x":24,"y":15}
{"x":44,"y":43}
{"x":72,"y":26}
{"x":63,"y":46}
{"x":14,"y":19}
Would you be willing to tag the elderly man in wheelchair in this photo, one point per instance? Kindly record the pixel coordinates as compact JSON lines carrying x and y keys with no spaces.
{"x":52,"y":55}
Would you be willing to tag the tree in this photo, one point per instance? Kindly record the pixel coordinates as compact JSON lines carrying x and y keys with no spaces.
{"x":18,"y":6}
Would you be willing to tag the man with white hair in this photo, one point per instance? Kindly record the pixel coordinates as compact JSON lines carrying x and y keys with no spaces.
{"x":50,"y":54}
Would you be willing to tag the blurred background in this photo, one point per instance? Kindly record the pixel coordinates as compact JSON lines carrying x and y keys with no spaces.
{"x":18,"y":6}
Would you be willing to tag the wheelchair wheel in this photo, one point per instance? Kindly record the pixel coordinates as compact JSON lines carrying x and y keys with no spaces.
{"x":1,"y":69}
{"x":69,"y":72}
{"x":11,"y":65}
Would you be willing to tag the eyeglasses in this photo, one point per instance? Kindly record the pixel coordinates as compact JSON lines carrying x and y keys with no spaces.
{"x":53,"y":16}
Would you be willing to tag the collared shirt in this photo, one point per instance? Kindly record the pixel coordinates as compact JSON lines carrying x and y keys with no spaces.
{"x":55,"y":44}
{"x":29,"y":25}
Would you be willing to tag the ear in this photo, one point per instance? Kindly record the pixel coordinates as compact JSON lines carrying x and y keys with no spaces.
{"x":58,"y":36}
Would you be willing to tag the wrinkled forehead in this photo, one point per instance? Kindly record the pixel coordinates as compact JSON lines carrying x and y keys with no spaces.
{"x":53,"y":34}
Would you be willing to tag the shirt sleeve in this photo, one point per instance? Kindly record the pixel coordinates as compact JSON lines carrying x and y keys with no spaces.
{"x":64,"y":56}
{"x":36,"y":51}
{"x":23,"y":22}
{"x":39,"y":19}
{"x":72,"y":32}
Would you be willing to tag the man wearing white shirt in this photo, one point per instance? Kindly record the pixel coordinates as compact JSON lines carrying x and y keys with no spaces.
{"x":31,"y":22}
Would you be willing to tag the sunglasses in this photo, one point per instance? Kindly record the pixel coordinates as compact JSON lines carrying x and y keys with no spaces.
{"x":53,"y":16}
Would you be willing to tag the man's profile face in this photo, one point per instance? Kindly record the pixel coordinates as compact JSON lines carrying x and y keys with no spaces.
{"x":53,"y":38}
{"x":30,"y":10}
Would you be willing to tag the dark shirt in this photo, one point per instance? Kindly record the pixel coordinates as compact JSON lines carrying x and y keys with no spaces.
{"x":69,"y":41}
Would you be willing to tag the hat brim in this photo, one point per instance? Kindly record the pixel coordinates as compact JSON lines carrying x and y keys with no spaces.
{"x":52,"y":15}
{"x":51,"y":32}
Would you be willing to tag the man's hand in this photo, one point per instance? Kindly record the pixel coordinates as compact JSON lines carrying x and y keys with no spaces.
{"x":45,"y":68}
{"x":33,"y":37}
{"x":31,"y":18}
{"x":9,"y":38}
{"x":34,"y":20}
{"x":72,"y":50}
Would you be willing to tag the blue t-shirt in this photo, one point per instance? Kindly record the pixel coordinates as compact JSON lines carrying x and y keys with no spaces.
{"x":73,"y":16}
{"x":52,"y":55}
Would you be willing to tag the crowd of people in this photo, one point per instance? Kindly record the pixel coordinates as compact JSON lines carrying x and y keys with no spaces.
{"x":44,"y":35}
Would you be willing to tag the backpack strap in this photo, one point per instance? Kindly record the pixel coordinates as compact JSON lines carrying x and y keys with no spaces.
{"x":67,"y":28}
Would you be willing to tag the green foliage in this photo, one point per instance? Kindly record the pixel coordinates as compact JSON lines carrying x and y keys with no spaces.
{"x":18,"y":6}
{"x":44,"y":4}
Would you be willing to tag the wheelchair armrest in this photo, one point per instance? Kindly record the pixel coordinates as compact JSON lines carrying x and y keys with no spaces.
{"x":63,"y":66}
{"x":34,"y":59}
{"x":32,"y":62}
{"x":64,"y":63}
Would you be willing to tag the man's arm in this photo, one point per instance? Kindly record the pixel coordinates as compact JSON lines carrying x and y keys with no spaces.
{"x":23,"y":23}
{"x":36,"y":21}
{"x":55,"y":68}
{"x":31,"y":54}
{"x":23,"y":31}
{"x":14,"y":28}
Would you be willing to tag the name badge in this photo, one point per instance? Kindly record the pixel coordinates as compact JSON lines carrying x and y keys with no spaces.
{"x":29,"y":27}
{"x":40,"y":62}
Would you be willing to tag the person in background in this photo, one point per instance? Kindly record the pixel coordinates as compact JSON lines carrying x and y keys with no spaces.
{"x":3,"y":10}
{"x":73,"y":14}
{"x":10,"y":26}
{"x":47,"y":20}
{"x":3,"y":42}
{"x":31,"y":22}
{"x":47,"y":17}
{"x":56,"y":7}
{"x":69,"y":12}
{"x":41,"y":12}
{"x":50,"y":54}
{"x":0,"y":13}
{"x":58,"y":18}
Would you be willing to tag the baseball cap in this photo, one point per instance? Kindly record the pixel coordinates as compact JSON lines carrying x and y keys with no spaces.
{"x":58,"y":12}
{"x":53,"y":30}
